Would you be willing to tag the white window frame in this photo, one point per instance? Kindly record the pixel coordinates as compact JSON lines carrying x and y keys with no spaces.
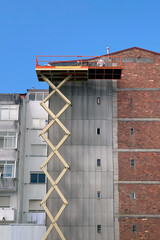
{"x":133,"y":195}
{"x":35,"y":208}
{"x":42,"y":122}
{"x":7,"y":135}
{"x":39,"y":149}
{"x":5,"y":164}
{"x":10,"y":108}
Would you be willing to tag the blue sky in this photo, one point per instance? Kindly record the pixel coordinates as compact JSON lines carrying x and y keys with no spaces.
{"x":59,"y":27}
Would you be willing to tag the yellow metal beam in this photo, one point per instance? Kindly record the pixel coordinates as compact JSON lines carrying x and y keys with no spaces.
{"x":54,"y":151}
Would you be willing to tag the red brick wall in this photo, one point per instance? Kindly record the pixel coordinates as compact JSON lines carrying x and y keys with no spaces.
{"x":146,"y":201}
{"x":138,"y":104}
{"x":140,"y":75}
{"x":147,"y":229}
{"x":146,"y":134}
{"x":147,"y":166}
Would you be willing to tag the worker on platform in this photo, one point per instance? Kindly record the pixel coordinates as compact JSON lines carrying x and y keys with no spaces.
{"x":100,"y":63}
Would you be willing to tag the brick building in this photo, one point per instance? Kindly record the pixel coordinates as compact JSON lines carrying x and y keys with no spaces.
{"x":113,"y":182}
{"x":136,"y":146}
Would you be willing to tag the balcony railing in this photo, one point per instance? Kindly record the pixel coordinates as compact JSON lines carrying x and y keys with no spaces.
{"x":46,"y":61}
{"x":8,"y":184}
{"x":7,"y":214}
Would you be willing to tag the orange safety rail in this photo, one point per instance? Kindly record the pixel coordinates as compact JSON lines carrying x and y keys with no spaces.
{"x":47,"y":61}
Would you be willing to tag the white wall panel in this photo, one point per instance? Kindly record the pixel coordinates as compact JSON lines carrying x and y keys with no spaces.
{"x":21,"y":232}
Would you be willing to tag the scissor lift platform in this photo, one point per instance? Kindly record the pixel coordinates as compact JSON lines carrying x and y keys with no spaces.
{"x":76,"y":68}
{"x":55,"y":68}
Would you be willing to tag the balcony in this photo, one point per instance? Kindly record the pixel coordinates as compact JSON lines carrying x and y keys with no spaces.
{"x":36,"y":217}
{"x":7,"y":215}
{"x":8,"y":185}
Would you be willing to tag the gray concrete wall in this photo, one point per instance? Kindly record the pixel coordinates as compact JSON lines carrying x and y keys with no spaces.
{"x":81,"y":150}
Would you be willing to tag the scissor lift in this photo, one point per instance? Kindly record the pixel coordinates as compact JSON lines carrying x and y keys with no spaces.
{"x":51,"y":69}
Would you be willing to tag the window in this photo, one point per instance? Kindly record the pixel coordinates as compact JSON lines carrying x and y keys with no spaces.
{"x":98,"y":131}
{"x":8,"y":140}
{"x":134,"y":229}
{"x":39,"y":123}
{"x":32,"y":96}
{"x":98,"y":100}
{"x":131,"y":131}
{"x":9,"y":112}
{"x":39,"y":149}
{"x":35,"y":205}
{"x":37,"y":178}
{"x":132,"y":162}
{"x":98,"y":228}
{"x":133,"y":195}
{"x":36,"y":213}
{"x":98,"y":195}
{"x":4,"y":202}
{"x":7,"y":169}
{"x":37,"y":96}
{"x":130,"y":101}
{"x":98,"y":162}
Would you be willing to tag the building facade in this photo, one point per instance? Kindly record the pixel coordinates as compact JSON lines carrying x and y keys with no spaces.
{"x":136,"y":121}
{"x":112,"y":185}
{"x":34,"y":181}
{"x":22,"y":183}
{"x":113,"y":181}
{"x":11,"y":107}
{"x":88,"y":184}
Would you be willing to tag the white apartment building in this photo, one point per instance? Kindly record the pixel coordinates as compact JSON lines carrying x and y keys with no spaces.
{"x":22,"y":183}
{"x":10,"y":125}
{"x":34,"y":183}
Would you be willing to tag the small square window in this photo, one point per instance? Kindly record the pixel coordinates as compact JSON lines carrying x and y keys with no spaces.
{"x":130,"y":101}
{"x":32,"y":96}
{"x":132,"y":162}
{"x":98,"y":162}
{"x":98,"y":131}
{"x":134,"y":229}
{"x":37,"y":178}
{"x":98,"y":228}
{"x":133,"y":195}
{"x":98,"y":195}
{"x":39,"y":96}
{"x":131,"y":131}
{"x":98,"y":100}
